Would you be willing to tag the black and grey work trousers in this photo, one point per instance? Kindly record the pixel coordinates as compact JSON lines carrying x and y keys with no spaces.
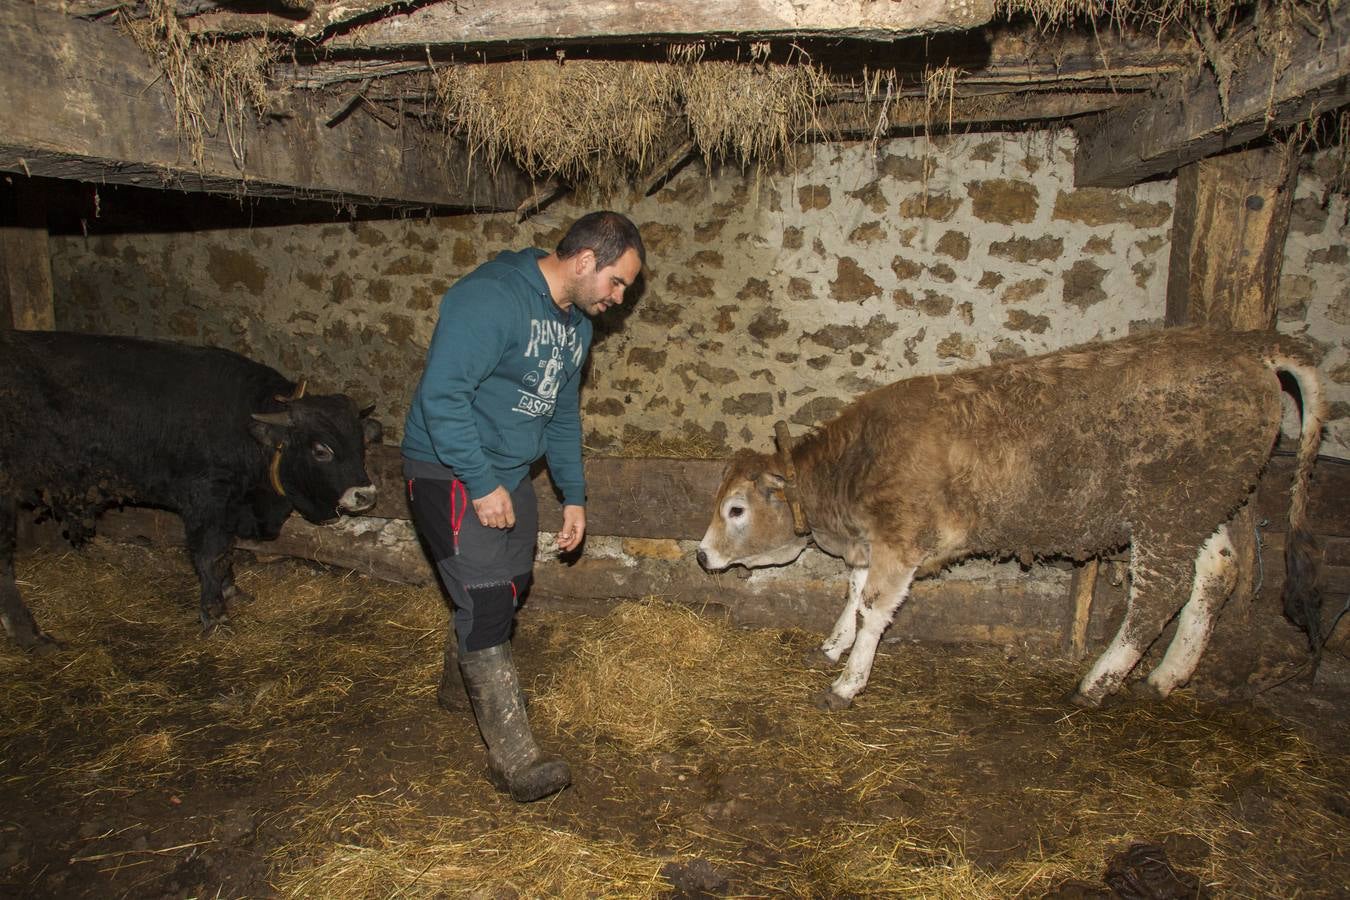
{"x":486,"y":571}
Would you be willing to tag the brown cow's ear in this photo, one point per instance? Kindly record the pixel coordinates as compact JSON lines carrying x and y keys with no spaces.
{"x":770,"y":483}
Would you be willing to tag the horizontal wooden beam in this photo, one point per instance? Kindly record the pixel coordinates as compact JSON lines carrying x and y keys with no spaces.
{"x":1272,"y":82}
{"x":672,"y":498}
{"x":994,"y":56}
{"x":83,"y":102}
{"x":559,"y":21}
{"x":648,"y":498}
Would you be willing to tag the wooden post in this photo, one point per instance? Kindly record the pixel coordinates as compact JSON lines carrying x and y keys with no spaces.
{"x":1084,"y":585}
{"x":25,"y":262}
{"x":1228,"y":236}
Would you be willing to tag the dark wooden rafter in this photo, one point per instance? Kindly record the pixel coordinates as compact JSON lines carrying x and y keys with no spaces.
{"x":560,"y":21}
{"x":82,"y":102}
{"x":1273,"y":82}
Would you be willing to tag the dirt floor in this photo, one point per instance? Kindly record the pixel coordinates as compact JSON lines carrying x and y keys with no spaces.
{"x":303,"y":754}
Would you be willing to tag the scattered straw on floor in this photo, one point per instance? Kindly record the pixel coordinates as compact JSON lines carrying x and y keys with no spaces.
{"x":695,"y":742}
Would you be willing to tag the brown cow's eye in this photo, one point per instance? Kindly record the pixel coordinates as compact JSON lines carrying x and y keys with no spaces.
{"x":736,"y":512}
{"x":322,"y":452}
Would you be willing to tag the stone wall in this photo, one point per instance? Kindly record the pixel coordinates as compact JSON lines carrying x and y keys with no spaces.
{"x":777,"y":297}
{"x":769,"y":298}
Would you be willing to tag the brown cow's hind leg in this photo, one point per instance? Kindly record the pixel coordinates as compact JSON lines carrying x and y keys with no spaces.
{"x":1215,"y":577}
{"x":1161,"y":572}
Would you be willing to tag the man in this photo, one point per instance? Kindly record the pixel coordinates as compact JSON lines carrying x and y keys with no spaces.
{"x":498,"y":392}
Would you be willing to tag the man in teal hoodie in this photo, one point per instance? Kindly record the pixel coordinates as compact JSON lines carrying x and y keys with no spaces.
{"x":498,"y":392}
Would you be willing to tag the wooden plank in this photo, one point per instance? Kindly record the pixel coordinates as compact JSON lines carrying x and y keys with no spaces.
{"x":1328,"y":501}
{"x":559,"y":21}
{"x":82,"y":102}
{"x":650,"y":498}
{"x":672,"y":498}
{"x":1084,"y":587}
{"x":1228,"y":237}
{"x":1007,"y":56}
{"x":25,"y":262}
{"x":1186,"y":119}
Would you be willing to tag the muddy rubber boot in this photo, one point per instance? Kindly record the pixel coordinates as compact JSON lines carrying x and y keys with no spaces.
{"x":451,"y":694}
{"x":515,"y":763}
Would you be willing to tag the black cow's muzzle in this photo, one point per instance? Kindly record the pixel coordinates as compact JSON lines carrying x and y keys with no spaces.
{"x":358,"y":499}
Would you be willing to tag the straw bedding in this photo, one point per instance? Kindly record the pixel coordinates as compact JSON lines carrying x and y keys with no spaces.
{"x":302,"y":754}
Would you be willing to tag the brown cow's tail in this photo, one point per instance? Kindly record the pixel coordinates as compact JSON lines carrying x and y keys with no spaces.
{"x":1302,"y":600}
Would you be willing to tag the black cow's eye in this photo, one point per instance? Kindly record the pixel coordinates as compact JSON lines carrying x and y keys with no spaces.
{"x":736,"y":512}
{"x":322,"y":452}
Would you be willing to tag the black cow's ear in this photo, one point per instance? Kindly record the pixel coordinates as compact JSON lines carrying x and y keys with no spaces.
{"x":770,"y":483}
{"x":372,"y":430}
{"x":269,"y":429}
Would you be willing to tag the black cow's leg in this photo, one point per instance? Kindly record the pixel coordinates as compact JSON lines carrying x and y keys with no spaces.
{"x":14,"y":614}
{"x":209,"y":548}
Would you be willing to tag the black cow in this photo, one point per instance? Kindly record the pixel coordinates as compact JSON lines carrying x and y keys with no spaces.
{"x":89,"y":421}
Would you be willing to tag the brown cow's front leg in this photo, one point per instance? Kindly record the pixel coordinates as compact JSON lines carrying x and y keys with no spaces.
{"x":846,"y":628}
{"x":887,"y":586}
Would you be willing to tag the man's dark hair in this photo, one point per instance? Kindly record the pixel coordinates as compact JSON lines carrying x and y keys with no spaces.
{"x":606,"y":234}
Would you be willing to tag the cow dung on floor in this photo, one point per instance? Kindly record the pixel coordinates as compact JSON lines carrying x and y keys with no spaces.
{"x":303,"y":754}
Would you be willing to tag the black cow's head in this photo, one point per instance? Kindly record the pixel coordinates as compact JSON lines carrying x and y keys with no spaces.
{"x":318,"y":458}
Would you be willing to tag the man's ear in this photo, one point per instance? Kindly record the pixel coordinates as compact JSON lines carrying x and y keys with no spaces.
{"x":585,"y":261}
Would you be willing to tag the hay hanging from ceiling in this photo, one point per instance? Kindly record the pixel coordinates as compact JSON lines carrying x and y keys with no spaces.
{"x":555,"y":119}
{"x":217,"y":85}
{"x":609,"y":121}
{"x":1159,"y":14}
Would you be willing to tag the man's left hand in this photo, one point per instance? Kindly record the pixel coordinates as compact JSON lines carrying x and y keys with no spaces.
{"x":573,"y":528}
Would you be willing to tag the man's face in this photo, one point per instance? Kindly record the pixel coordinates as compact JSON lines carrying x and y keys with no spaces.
{"x":596,"y":290}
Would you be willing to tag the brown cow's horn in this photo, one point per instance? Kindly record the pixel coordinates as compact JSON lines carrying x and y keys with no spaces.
{"x":784,"y":441}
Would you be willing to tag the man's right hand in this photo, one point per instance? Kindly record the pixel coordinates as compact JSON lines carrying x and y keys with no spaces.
{"x":495,"y":510}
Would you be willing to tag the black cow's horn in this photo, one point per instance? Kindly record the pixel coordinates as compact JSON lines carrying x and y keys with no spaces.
{"x":296,"y":394}
{"x":282,"y":418}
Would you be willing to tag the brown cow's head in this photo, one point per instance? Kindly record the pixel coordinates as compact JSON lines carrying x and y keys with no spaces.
{"x":752,"y":522}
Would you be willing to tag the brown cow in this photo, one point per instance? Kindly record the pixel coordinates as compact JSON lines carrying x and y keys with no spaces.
{"x":1154,"y":443}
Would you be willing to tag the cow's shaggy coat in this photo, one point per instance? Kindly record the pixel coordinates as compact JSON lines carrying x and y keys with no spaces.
{"x":1154,"y":443}
{"x":89,"y":421}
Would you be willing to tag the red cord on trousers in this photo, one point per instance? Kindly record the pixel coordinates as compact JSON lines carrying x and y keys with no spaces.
{"x":457,"y":492}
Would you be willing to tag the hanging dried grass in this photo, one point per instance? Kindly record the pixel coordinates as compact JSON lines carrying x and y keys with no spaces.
{"x":1159,"y":14}
{"x":602,"y":121}
{"x":751,"y":112}
{"x":570,"y":120}
{"x":217,"y":85}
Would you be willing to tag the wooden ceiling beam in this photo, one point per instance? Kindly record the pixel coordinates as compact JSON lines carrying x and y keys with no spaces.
{"x":555,"y":22}
{"x":1273,"y":83}
{"x":82,"y":102}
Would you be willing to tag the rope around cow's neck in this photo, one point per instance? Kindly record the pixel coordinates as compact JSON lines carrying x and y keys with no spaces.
{"x":274,"y":470}
{"x":784,"y":440}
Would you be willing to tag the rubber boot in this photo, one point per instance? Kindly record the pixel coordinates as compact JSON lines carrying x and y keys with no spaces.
{"x":451,"y":694}
{"x":515,"y":763}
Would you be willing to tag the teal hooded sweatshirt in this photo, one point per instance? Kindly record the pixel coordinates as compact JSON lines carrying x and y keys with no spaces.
{"x":500,"y":386}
